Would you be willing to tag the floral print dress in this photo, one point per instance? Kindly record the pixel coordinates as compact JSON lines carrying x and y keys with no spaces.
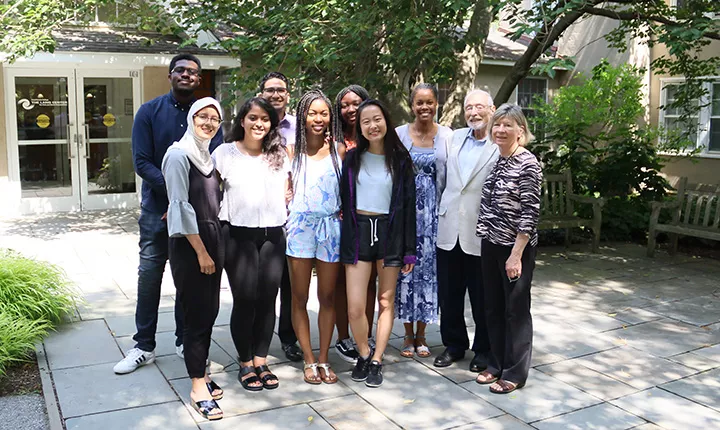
{"x":417,"y":292}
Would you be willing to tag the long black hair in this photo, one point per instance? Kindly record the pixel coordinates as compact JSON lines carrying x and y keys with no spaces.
{"x":272,"y":147}
{"x":339,"y":125}
{"x":397,"y":157}
{"x":300,"y":153}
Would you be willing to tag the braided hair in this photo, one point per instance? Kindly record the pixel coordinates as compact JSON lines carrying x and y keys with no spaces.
{"x":339,"y":125}
{"x":272,"y":147}
{"x":300,"y":153}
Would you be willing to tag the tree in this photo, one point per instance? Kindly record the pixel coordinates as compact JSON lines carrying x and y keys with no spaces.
{"x":388,"y":45}
{"x":685,"y":31}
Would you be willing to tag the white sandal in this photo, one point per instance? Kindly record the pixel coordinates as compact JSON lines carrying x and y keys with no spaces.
{"x":408,"y":350}
{"x":327,"y":379}
{"x":317,"y":379}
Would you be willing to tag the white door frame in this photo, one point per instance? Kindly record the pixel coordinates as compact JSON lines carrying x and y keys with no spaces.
{"x":41,"y":204}
{"x":109,"y":200}
{"x":80,"y":199}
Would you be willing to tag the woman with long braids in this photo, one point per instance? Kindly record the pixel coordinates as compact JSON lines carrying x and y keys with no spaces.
{"x":417,"y":292}
{"x":344,"y":120}
{"x":254,"y":168}
{"x":313,"y":228}
{"x":378,"y":228}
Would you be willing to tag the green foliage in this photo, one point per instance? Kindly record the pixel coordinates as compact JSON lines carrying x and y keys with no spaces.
{"x":17,"y":338}
{"x":382,"y":44}
{"x":34,"y":298}
{"x":592,"y":130}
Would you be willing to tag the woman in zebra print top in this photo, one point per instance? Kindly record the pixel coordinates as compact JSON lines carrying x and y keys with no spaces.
{"x":507,"y":223}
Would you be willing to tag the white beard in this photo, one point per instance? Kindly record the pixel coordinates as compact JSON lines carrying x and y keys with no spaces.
{"x":476,"y":125}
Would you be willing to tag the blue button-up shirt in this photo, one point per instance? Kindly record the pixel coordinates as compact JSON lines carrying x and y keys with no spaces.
{"x":469,"y":154}
{"x":158,"y":123}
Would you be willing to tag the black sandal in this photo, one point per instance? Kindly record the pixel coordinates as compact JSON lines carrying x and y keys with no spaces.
{"x":212,"y":387}
{"x":205,"y":407}
{"x":246,"y":382}
{"x":267,"y":378}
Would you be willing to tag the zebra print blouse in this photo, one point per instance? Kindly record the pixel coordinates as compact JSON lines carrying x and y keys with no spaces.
{"x":511,"y":200}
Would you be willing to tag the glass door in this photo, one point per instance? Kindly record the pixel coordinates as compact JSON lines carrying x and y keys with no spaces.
{"x":46,"y":137}
{"x":107,"y":102}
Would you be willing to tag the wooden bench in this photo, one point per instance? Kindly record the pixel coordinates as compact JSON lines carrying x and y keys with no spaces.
{"x":695,"y":212}
{"x":557,"y":209}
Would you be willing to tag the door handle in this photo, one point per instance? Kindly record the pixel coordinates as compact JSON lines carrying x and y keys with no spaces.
{"x":87,"y":141}
{"x":71,"y":141}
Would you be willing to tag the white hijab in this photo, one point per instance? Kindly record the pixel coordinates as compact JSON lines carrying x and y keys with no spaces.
{"x":197,"y":149}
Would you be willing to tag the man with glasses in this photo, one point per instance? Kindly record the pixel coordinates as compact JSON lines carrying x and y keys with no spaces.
{"x":157,"y":124}
{"x":471,"y":158}
{"x":274,"y":87}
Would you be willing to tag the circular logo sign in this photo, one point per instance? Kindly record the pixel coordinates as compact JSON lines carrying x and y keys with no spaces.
{"x":42,"y":121}
{"x":109,"y":120}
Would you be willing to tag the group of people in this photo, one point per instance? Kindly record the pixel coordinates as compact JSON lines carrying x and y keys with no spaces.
{"x":408,"y":218}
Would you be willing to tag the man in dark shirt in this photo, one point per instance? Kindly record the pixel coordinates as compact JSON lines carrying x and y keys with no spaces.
{"x":157,"y":124}
{"x":274,"y":88}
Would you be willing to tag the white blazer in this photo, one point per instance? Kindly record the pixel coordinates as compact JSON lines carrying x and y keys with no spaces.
{"x":460,"y":202}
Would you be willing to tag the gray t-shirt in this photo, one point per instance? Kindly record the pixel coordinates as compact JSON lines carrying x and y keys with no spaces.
{"x":374,"y":184}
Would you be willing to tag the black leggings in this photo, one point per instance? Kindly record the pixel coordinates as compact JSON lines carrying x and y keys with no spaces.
{"x":254,"y":262}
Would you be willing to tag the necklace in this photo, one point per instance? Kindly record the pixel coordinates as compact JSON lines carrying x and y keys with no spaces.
{"x":422,"y":136}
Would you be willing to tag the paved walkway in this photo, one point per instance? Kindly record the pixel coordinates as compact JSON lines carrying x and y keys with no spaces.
{"x":621,"y":341}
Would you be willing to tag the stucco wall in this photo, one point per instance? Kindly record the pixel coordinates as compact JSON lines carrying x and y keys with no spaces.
{"x":697,"y":170}
{"x":155,"y":82}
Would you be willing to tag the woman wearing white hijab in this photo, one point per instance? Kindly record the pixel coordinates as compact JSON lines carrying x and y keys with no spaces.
{"x":195,"y":248}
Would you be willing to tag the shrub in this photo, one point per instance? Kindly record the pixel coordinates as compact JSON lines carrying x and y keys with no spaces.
{"x":34,"y":298}
{"x":593,"y":130}
{"x":37,"y":290}
{"x":17,"y":338}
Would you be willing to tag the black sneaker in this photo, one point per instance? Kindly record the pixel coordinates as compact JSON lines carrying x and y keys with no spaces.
{"x":360,"y":371}
{"x":374,"y":377}
{"x":346,"y":350}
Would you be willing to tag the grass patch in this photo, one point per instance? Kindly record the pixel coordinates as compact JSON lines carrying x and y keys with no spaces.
{"x":35,"y":296}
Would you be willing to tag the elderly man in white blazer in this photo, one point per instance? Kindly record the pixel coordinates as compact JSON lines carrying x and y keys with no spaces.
{"x":471,"y":158}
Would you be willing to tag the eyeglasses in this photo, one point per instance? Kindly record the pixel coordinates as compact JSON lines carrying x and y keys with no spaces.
{"x":204,"y":119}
{"x":272,"y":90}
{"x":477,"y":107}
{"x":189,"y":70}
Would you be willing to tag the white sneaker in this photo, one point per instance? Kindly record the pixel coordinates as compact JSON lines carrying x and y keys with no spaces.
{"x":134,"y":358}
{"x":180,"y":351}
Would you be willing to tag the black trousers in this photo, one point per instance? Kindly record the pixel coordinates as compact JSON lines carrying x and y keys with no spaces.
{"x":254,"y":264}
{"x":507,"y":306}
{"x":459,"y":272}
{"x":199,"y":294}
{"x":285,"y":328}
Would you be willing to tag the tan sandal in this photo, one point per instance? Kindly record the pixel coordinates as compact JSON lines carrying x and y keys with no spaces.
{"x":328,"y":378}
{"x":315,"y":379}
{"x":408,"y":350}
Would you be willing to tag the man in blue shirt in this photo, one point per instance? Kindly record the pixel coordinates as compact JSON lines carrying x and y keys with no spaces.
{"x":157,"y":124}
{"x":274,"y":88}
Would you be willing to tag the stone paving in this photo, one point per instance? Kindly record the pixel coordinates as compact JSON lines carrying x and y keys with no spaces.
{"x":621,"y":341}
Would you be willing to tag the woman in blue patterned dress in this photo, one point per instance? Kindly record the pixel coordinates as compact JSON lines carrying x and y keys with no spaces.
{"x":417,"y":292}
{"x":313,"y":229}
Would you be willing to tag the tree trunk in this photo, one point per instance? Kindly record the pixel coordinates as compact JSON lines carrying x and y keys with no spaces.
{"x":540,"y":43}
{"x":469,"y":63}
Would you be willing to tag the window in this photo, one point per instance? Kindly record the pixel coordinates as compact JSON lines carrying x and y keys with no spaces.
{"x":528,"y":91}
{"x":706,"y":131}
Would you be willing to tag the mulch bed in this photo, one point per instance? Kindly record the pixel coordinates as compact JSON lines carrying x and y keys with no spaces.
{"x":21,"y":378}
